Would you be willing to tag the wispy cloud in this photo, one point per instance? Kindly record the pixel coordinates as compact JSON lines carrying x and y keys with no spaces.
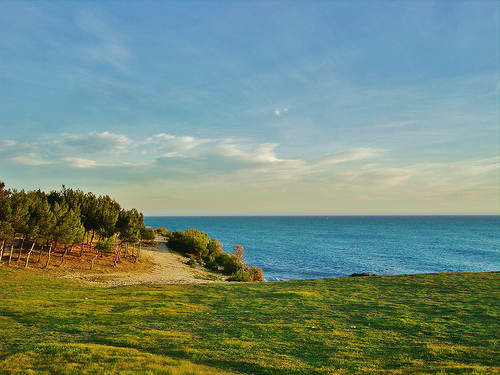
{"x":376,"y":176}
{"x":6,"y":145}
{"x":105,"y":44}
{"x":105,"y":142}
{"x":422,"y":179}
{"x":261,"y":154}
{"x":398,"y":124}
{"x":29,"y":159}
{"x":230,"y":165}
{"x":80,"y":162}
{"x":353,"y":154}
{"x":170,"y":145}
{"x":254,"y":164}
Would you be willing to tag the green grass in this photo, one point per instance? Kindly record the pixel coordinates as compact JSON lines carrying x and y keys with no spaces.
{"x":415,"y":324}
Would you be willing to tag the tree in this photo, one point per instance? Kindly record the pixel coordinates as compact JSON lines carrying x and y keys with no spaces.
{"x":6,"y":230}
{"x":129,"y":226}
{"x":18,"y":217}
{"x":89,"y":217}
{"x":107,"y":214}
{"x":68,"y":228}
{"x":41,"y":222}
{"x":147,"y":234}
{"x":238,"y":252}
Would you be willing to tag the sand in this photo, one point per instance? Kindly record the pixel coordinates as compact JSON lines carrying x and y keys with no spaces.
{"x":162,"y":267}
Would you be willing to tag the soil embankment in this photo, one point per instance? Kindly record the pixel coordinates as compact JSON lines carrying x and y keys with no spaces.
{"x":157,"y":265}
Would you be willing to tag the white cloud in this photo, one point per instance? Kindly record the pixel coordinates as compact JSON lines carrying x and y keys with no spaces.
{"x":105,"y":142}
{"x":398,"y":124}
{"x":353,"y":154}
{"x":80,"y":162}
{"x":257,"y":165}
{"x":479,"y":166}
{"x":28,"y":160}
{"x":279,"y":112}
{"x":263,"y":153}
{"x":6,"y":145}
{"x":169,"y":145}
{"x":376,"y":176}
{"x":229,"y":165}
{"x":423,"y":179}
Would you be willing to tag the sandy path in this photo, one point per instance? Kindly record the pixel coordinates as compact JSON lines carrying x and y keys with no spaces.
{"x":166,"y":268}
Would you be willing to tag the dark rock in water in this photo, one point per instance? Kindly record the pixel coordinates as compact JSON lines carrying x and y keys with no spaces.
{"x":363,"y":274}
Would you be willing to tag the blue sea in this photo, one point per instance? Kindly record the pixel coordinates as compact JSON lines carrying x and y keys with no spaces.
{"x":311,"y":247}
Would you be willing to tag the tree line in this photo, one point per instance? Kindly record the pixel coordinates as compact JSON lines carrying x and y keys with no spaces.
{"x":35,"y":220}
{"x":69,"y":221}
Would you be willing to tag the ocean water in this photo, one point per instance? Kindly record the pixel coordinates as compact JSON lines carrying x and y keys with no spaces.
{"x":310,"y":247}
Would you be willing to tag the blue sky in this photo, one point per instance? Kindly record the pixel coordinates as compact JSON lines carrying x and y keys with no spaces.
{"x":255,"y":107}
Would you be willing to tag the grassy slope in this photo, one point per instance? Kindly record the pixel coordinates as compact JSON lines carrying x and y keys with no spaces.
{"x":436,"y":324}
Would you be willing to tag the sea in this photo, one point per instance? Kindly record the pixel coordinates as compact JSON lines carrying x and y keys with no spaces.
{"x":312,"y":247}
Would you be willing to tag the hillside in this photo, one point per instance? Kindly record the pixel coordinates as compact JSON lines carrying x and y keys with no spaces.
{"x":411,"y":324}
{"x":157,"y":265}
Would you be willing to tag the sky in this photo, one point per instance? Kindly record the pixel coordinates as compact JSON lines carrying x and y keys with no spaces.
{"x":255,"y":107}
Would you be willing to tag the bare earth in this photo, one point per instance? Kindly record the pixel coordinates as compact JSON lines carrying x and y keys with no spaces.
{"x":158,"y":266}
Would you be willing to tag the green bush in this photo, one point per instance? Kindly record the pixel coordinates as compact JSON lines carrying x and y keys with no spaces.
{"x":105,"y":246}
{"x":256,"y":274}
{"x":162,"y":232}
{"x":239,"y":275}
{"x":191,"y":242}
{"x":212,"y":265}
{"x":208,"y":252}
{"x":246,"y":274}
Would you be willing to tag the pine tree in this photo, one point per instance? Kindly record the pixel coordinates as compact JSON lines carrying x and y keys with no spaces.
{"x":6,"y":230}
{"x":41,"y":222}
{"x":18,"y":218}
{"x":68,"y":228}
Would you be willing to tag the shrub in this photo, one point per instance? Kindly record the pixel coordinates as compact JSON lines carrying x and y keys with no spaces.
{"x":191,"y":242}
{"x":231,"y":264}
{"x":239,"y":275}
{"x":162,"y":232}
{"x":212,"y":265}
{"x":256,"y":274}
{"x":214,"y":247}
{"x":105,"y":246}
{"x":206,"y":251}
{"x":246,"y":274}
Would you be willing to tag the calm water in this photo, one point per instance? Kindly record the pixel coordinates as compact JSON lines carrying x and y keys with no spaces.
{"x":307,"y":247}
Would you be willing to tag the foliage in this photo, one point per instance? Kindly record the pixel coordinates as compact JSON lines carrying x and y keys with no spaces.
{"x":411,"y":324}
{"x":65,"y":218}
{"x":200,"y":247}
{"x":104,"y":245}
{"x":129,"y":225}
{"x":147,"y":234}
{"x":162,"y":232}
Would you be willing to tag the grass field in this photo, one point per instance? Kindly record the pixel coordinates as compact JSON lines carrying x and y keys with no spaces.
{"x":414,"y":324}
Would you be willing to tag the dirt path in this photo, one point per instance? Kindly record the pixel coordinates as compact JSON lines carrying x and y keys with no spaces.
{"x":165,"y":268}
